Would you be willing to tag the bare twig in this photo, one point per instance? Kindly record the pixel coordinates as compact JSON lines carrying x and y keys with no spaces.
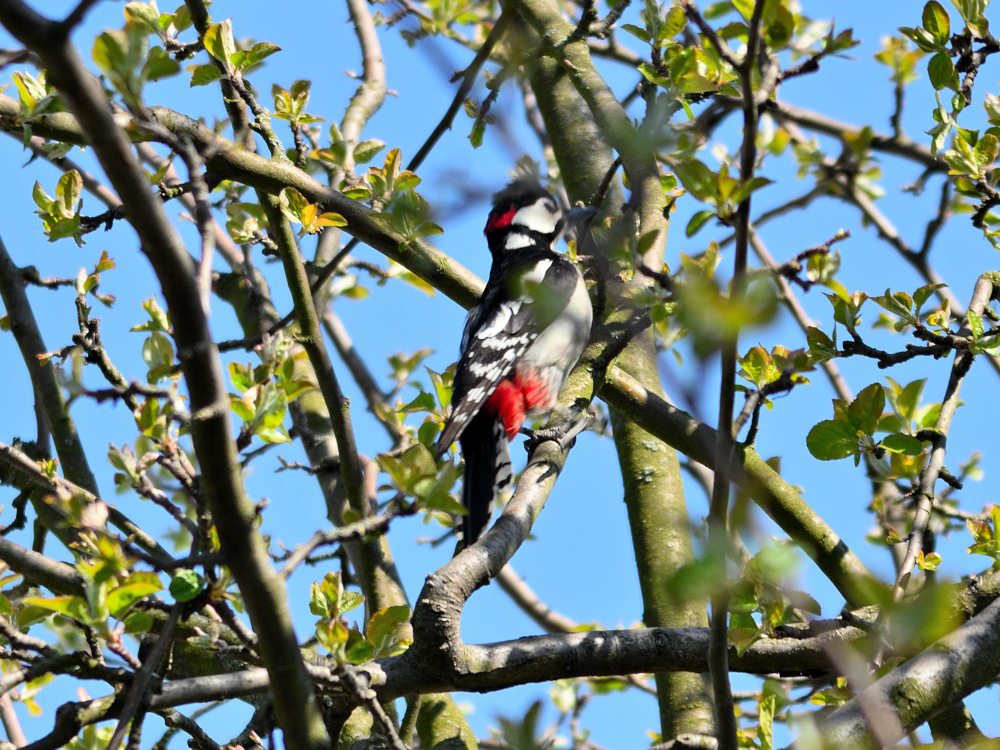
{"x":371,"y":93}
{"x":527,"y":600}
{"x":137,"y":691}
{"x":11,"y":724}
{"x":368,"y":698}
{"x":176,"y":720}
{"x":357,"y":530}
{"x":468,"y":79}
{"x":925,"y":496}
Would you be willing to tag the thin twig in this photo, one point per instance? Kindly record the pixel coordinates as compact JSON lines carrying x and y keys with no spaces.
{"x":11,"y":724}
{"x":468,"y":79}
{"x":528,"y":602}
{"x":724,"y":449}
{"x":175,"y":720}
{"x":925,"y":495}
{"x":369,"y":699}
{"x":137,"y":691}
{"x":371,"y":93}
{"x":357,"y":530}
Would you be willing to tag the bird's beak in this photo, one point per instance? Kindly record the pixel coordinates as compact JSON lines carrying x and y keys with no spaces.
{"x":575,"y":217}
{"x":578,"y":215}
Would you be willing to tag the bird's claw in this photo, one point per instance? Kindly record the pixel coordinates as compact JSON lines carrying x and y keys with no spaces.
{"x":563,"y":431}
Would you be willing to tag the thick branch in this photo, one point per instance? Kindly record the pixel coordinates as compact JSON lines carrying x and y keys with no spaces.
{"x":949,"y":669}
{"x":549,"y":657}
{"x":43,"y":375}
{"x":254,"y":170}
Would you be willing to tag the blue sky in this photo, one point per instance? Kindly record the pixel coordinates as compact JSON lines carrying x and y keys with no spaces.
{"x":580,"y":562}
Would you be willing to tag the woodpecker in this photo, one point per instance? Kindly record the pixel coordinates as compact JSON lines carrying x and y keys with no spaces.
{"x":519,"y":343}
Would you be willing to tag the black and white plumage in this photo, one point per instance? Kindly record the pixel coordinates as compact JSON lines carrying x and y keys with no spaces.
{"x":519,"y":343}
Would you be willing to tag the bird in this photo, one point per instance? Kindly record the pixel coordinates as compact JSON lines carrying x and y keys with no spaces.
{"x":518,"y":345}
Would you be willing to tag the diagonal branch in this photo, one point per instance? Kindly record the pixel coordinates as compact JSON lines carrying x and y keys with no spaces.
{"x":945,"y":672}
{"x":932,"y":471}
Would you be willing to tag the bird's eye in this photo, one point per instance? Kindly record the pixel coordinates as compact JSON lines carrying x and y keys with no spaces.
{"x":550,"y":206}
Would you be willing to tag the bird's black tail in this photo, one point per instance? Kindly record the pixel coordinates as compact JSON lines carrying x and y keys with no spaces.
{"x":487,"y":471}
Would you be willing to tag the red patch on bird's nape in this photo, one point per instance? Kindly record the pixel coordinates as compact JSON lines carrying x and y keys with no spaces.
{"x":499,"y":219}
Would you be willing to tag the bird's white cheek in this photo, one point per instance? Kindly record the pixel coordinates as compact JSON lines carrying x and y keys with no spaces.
{"x":536,"y":217}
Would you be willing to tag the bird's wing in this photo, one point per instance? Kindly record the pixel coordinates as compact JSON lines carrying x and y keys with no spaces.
{"x":499,"y":331}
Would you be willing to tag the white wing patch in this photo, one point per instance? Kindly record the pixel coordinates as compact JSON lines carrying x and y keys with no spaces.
{"x":504,"y":313}
{"x":538,"y":271}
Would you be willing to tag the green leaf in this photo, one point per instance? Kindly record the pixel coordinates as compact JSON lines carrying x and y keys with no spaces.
{"x":111,"y":52}
{"x":936,"y":21}
{"x":220,"y":43}
{"x":742,"y":638}
{"x":637,"y":32}
{"x":902,"y":443}
{"x":159,"y":65}
{"x":866,"y":409}
{"x":202,"y":75}
{"x":831,"y":440}
{"x":158,"y":354}
{"x":332,"y":635}
{"x":697,"y":178}
{"x":921,"y":295}
{"x":358,"y":649}
{"x":986,"y":150}
{"x":328,"y":598}
{"x":387,"y":631}
{"x":975,"y":324}
{"x":673,"y":24}
{"x":424,"y":401}
{"x":246,"y":59}
{"x":138,"y":622}
{"x":765,"y":722}
{"x":922,"y":38}
{"x":445,"y":504}
{"x":802,"y":600}
{"x":186,"y":585}
{"x":74,"y":607}
{"x":68,"y":193}
{"x":821,"y":346}
{"x":779,"y":30}
{"x":367,"y":150}
{"x":698,"y":221}
{"x":942,"y":73}
{"x":137,"y":586}
{"x":745,"y":188}
{"x":145,"y":14}
{"x":477,"y":133}
{"x":41,"y":198}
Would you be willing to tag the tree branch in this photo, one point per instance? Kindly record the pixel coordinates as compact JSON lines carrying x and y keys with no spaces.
{"x":949,"y":669}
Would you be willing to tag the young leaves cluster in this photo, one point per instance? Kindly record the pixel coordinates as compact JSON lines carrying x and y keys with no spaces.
{"x":852,"y":430}
{"x":385,"y":635}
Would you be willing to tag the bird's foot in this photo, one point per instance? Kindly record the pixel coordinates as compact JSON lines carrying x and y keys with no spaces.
{"x":563,"y":428}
